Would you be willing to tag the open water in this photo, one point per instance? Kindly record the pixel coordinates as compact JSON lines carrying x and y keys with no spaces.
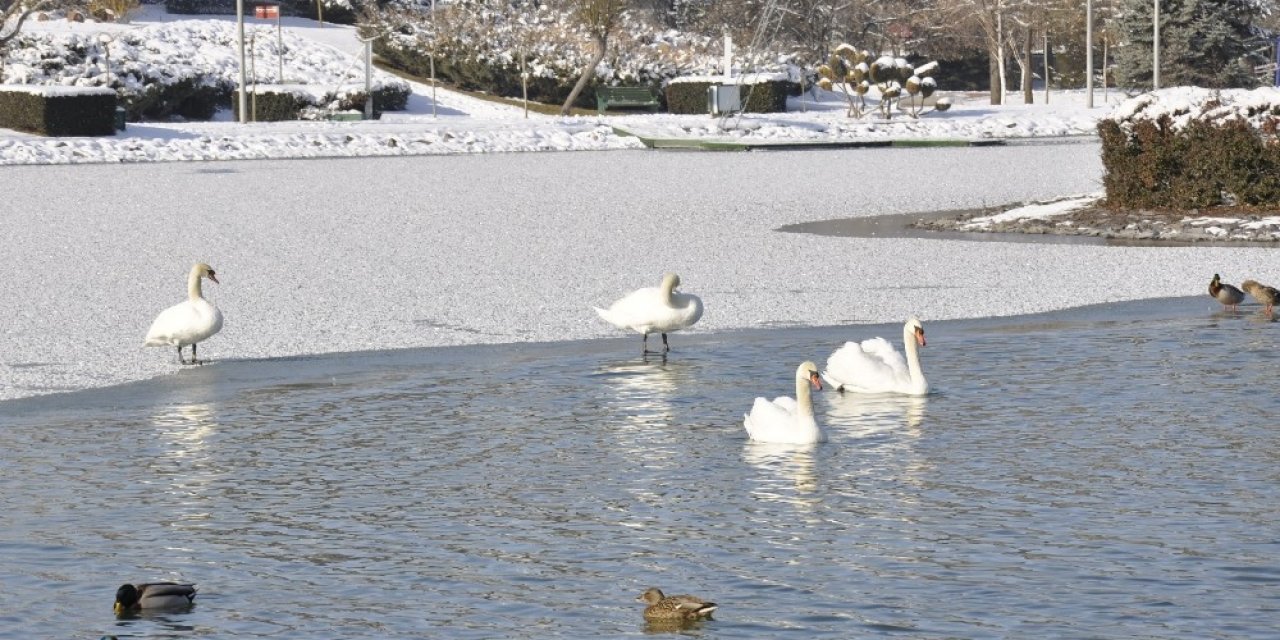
{"x":1106,"y":472}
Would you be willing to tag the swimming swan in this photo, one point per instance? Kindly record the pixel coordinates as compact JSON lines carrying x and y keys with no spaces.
{"x":787,"y":420}
{"x":654,"y":310}
{"x":189,"y":322}
{"x":874,"y":366}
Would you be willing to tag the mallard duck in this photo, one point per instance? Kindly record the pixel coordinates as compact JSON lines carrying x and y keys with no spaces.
{"x":1228,"y":295}
{"x":1268,"y":296}
{"x":669,"y":608}
{"x":154,"y":595}
{"x":654,"y":310}
{"x":188,"y":322}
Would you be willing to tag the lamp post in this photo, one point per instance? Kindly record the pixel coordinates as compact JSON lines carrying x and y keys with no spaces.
{"x":1155,"y":46}
{"x":1088,"y":54}
{"x":243,"y":97}
{"x":105,"y":40}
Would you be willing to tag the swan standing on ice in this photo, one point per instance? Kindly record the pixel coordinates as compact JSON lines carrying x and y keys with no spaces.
{"x":787,"y":420}
{"x":874,"y":366}
{"x":189,"y":322}
{"x":1228,"y":295}
{"x":654,"y":310}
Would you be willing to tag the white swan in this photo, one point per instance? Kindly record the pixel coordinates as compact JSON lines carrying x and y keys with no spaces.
{"x":189,"y":322}
{"x":874,"y":366}
{"x":654,"y":310}
{"x":787,"y":420}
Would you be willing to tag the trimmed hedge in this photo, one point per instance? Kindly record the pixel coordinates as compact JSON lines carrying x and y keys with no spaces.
{"x":759,"y":97}
{"x":291,"y":102}
{"x":1202,"y":164}
{"x":59,"y":111}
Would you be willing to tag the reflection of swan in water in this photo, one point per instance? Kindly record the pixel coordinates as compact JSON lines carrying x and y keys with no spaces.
{"x":185,"y":427}
{"x":792,"y":463}
{"x":870,"y":414}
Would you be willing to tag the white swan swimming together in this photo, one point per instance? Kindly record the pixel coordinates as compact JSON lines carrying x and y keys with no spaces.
{"x":787,"y":420}
{"x":874,"y":366}
{"x":188,"y":322}
{"x":654,"y":310}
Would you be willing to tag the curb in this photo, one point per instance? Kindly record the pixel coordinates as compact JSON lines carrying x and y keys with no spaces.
{"x":694,"y":144}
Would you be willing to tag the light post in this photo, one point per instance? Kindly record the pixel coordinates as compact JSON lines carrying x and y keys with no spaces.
{"x":105,"y":40}
{"x":434,"y":36}
{"x":1155,"y":46}
{"x":243,"y":97}
{"x":1088,"y":54}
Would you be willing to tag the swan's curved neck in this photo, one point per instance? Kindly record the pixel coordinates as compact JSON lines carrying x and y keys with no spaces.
{"x":193,"y":285}
{"x":668,"y":289}
{"x":804,"y":402}
{"x":913,"y":355}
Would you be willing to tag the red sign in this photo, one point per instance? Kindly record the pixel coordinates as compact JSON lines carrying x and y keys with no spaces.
{"x":267,"y":11}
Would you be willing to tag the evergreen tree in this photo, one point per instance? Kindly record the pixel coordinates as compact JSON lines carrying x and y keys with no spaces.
{"x":1203,"y":43}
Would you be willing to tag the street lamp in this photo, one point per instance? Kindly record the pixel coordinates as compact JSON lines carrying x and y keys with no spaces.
{"x":105,"y":40}
{"x":244,"y":97}
{"x":1088,"y":53}
{"x":1155,"y":46}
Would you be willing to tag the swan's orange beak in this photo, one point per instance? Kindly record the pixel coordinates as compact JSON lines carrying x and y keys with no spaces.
{"x":920,"y":337}
{"x":815,"y":381}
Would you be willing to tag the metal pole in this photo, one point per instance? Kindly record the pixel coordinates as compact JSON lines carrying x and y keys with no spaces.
{"x":368,"y":79}
{"x":524,"y":83}
{"x":1155,"y":46}
{"x":1046,"y":66}
{"x":1088,"y":53}
{"x":244,"y":98}
{"x":434,"y":35}
{"x":280,"y":45}
{"x":253,"y":72}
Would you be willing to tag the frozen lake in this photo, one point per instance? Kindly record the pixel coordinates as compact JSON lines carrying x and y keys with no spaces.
{"x":1104,"y":472}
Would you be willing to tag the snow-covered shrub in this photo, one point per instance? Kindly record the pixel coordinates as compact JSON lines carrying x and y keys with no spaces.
{"x":478,"y":45}
{"x":335,"y":11}
{"x":187,"y":68}
{"x":275,"y":102}
{"x":1188,"y":148}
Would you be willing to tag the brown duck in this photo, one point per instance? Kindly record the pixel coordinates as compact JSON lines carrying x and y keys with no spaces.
{"x":1268,"y":296}
{"x":1228,"y":295}
{"x":674,"y":608}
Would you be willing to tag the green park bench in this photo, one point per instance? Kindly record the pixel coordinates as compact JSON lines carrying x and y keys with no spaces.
{"x":607,"y":97}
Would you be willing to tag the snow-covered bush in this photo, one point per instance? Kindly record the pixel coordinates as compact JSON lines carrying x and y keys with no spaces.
{"x":478,"y":45}
{"x":275,"y":102}
{"x":58,"y":111}
{"x":1188,"y":148}
{"x":186,"y":68}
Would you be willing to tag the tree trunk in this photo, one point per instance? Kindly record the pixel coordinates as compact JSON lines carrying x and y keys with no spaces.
{"x":1004,"y":74}
{"x":1028,"y":96}
{"x":994,"y":79}
{"x":602,"y":40}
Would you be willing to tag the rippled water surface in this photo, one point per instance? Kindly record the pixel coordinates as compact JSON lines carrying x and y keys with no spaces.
{"x":1107,"y":473}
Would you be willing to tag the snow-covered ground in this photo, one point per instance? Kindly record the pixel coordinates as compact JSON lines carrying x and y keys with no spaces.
{"x":376,"y":253}
{"x":463,"y":124}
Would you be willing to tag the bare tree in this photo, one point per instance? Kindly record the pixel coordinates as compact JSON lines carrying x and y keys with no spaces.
{"x":600,"y":18}
{"x":13,"y":13}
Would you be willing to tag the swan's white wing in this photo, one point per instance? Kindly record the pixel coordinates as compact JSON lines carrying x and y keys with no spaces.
{"x":636,"y":310}
{"x":768,"y":418}
{"x":184,"y":323}
{"x":872,"y":365}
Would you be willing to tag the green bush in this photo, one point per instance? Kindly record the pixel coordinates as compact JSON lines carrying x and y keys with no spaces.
{"x":273,"y":105}
{"x":289,"y":102}
{"x":1203,"y":164}
{"x":760,"y":97}
{"x":62,"y":112}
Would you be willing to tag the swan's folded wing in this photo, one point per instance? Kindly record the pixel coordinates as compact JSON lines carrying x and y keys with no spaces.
{"x":861,"y":363}
{"x":882,"y":353}
{"x":764,"y":414}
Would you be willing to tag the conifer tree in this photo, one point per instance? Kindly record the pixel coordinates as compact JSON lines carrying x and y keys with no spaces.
{"x":1203,"y":43}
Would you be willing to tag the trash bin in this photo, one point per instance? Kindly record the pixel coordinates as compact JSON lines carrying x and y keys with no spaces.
{"x":120,"y":114}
